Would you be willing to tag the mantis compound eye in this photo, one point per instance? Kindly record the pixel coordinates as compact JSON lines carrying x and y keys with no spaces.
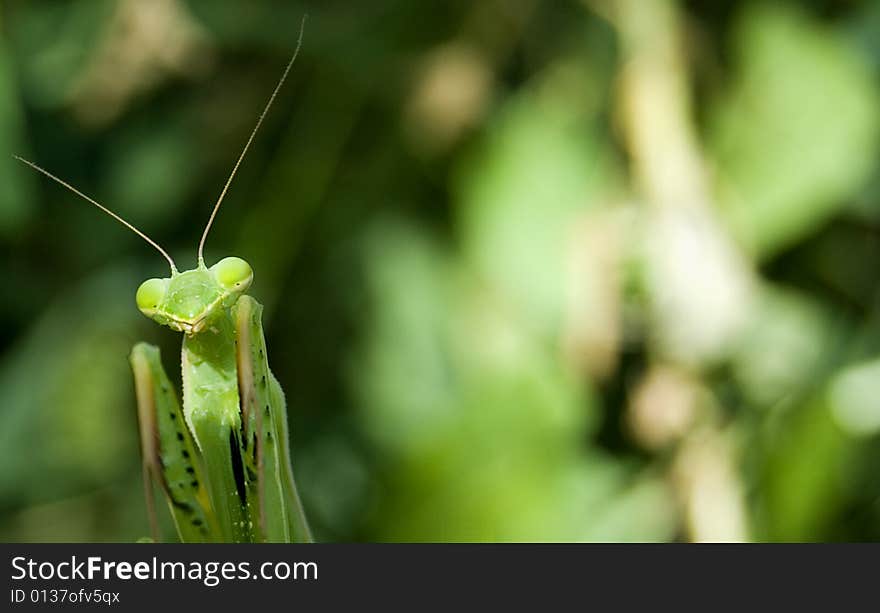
{"x":233,"y":274}
{"x":150,"y":294}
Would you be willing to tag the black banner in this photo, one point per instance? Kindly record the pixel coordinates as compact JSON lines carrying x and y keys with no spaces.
{"x":151,"y":577}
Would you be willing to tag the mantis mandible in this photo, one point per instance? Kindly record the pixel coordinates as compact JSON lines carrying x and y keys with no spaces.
{"x":223,"y":461}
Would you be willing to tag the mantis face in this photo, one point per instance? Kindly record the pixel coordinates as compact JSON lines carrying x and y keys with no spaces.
{"x":189,"y":300}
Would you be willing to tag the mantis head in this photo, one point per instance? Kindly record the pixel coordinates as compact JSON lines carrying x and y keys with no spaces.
{"x":188,"y":301}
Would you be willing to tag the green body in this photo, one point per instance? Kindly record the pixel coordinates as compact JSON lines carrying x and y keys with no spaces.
{"x":223,"y":462}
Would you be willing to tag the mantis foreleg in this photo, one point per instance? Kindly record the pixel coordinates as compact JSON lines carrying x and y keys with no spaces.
{"x":278,"y":511}
{"x":168,"y":450}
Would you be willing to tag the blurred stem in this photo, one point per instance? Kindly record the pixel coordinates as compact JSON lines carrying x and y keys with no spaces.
{"x":668,"y":168}
{"x":656,"y":105}
{"x":707,"y":482}
{"x":670,"y":408}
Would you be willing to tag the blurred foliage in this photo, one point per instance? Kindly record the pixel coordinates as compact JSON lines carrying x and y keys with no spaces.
{"x":792,"y":149}
{"x":595,"y":270}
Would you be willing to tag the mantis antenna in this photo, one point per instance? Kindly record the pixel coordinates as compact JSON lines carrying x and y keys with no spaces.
{"x":103,"y":208}
{"x":250,"y":139}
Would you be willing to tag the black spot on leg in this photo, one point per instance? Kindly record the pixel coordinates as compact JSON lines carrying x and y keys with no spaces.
{"x":183,"y":506}
{"x":191,"y":470}
{"x":237,"y":465}
{"x":173,"y":415}
{"x":180,"y":436}
{"x":194,"y":483}
{"x":185,"y":453}
{"x":197,"y":522}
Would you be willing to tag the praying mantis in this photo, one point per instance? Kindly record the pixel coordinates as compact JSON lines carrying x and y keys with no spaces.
{"x":223,"y":460}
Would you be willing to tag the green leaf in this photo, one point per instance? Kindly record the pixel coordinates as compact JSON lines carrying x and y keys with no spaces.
{"x":518,"y":199}
{"x":797,"y":134}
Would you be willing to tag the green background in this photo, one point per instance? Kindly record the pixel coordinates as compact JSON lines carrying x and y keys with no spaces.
{"x":530,"y":271}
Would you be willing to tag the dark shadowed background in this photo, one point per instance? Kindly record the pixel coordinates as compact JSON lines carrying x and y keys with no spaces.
{"x":584,"y":270}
